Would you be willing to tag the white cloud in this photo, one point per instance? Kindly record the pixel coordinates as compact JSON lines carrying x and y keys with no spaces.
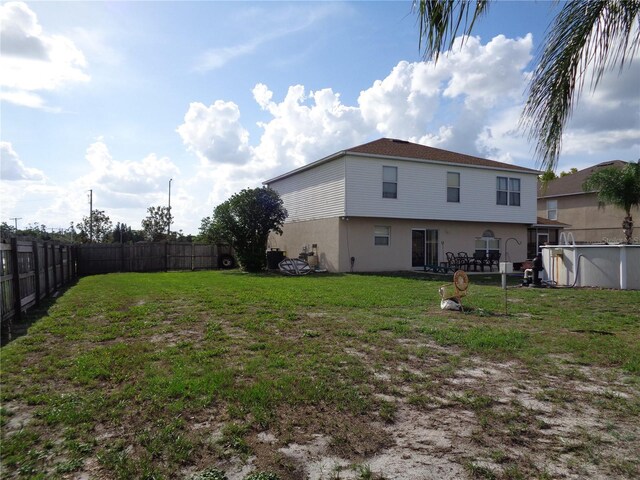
{"x":215,"y":133}
{"x":32,"y":60}
{"x":466,"y":88}
{"x":486,"y":74}
{"x":304,"y":127}
{"x":12,"y":168}
{"x":126,"y":182}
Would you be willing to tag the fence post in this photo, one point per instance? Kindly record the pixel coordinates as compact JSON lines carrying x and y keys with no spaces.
{"x":54,"y":269}
{"x":68,"y":264}
{"x":47,"y":285}
{"x":166,"y":256}
{"x":17,"y":301}
{"x":36,"y":265}
{"x":60,"y":249}
{"x":74,"y":265}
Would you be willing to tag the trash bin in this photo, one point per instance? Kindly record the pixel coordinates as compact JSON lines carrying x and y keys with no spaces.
{"x":274,"y":257}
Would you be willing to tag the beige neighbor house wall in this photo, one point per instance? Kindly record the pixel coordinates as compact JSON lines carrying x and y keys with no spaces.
{"x":339,"y":239}
{"x":589,"y":222}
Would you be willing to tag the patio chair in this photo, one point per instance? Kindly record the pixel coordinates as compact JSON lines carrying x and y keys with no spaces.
{"x":494,"y":259}
{"x":452,"y":261}
{"x":479,"y":260}
{"x":464,"y":262}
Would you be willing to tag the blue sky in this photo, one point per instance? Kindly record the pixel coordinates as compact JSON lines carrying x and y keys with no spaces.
{"x":119,"y":97}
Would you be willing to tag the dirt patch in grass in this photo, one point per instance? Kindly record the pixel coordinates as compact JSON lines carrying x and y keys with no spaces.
{"x":489,"y":420}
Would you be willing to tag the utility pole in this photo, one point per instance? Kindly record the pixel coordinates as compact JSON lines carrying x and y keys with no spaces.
{"x":90,"y":216}
{"x":169,"y":227}
{"x":15,"y":219}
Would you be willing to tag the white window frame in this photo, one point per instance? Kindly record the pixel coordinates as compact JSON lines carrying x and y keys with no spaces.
{"x":514,"y":193}
{"x":389,"y":180}
{"x":487,"y":244}
{"x":381,"y":235}
{"x":451,"y":187}
{"x":511,"y":191}
{"x":552,"y":209}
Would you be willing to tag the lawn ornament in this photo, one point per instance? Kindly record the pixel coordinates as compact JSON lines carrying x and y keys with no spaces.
{"x":452,"y":293}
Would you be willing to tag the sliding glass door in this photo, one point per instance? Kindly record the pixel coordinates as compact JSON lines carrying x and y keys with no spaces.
{"x":424,"y":247}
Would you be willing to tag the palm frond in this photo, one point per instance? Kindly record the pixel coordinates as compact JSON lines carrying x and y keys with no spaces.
{"x":441,"y":20}
{"x":600,"y":34}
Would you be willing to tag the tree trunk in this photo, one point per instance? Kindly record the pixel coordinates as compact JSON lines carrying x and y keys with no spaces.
{"x":627,"y":228}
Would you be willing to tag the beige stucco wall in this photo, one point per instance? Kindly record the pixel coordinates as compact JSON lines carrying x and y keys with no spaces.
{"x":323,"y":232}
{"x":588,"y":222}
{"x":340,"y":239}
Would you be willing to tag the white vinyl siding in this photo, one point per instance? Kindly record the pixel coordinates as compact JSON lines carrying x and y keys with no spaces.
{"x":315,"y":193}
{"x":424,"y":192}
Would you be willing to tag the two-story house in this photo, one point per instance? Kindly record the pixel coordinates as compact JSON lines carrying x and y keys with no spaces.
{"x":392,"y":205}
{"x":563,"y":199}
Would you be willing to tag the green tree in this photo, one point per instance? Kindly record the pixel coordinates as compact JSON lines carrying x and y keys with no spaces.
{"x":547,"y":176}
{"x":34,"y":230}
{"x":95,"y":228}
{"x":122,"y":233}
{"x":619,"y":187}
{"x":602,"y":34}
{"x":245,"y":221}
{"x":570,"y":172}
{"x":6,"y":231}
{"x":156,"y":224}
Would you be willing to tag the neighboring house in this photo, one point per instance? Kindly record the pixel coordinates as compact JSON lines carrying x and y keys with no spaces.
{"x":393,"y":205}
{"x":564,"y":200}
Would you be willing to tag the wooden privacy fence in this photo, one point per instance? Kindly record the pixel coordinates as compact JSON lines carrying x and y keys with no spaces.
{"x":31,"y":270}
{"x":148,"y":257}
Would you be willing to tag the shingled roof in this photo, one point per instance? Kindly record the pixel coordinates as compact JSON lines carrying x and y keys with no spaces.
{"x":403,"y":150}
{"x":572,"y":184}
{"x":391,"y":147}
{"x":541,"y":221}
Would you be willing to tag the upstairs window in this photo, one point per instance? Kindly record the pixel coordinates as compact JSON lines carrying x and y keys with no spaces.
{"x":389,"y":182}
{"x":514,"y":192}
{"x":381,"y":235}
{"x":552,"y":209}
{"x":508,"y":191}
{"x":453,"y":187}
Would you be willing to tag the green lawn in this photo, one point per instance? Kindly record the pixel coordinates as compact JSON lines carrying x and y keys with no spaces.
{"x":183,"y":375}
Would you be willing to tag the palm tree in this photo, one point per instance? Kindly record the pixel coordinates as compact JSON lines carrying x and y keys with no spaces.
{"x":597,"y":33}
{"x":619,"y":187}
